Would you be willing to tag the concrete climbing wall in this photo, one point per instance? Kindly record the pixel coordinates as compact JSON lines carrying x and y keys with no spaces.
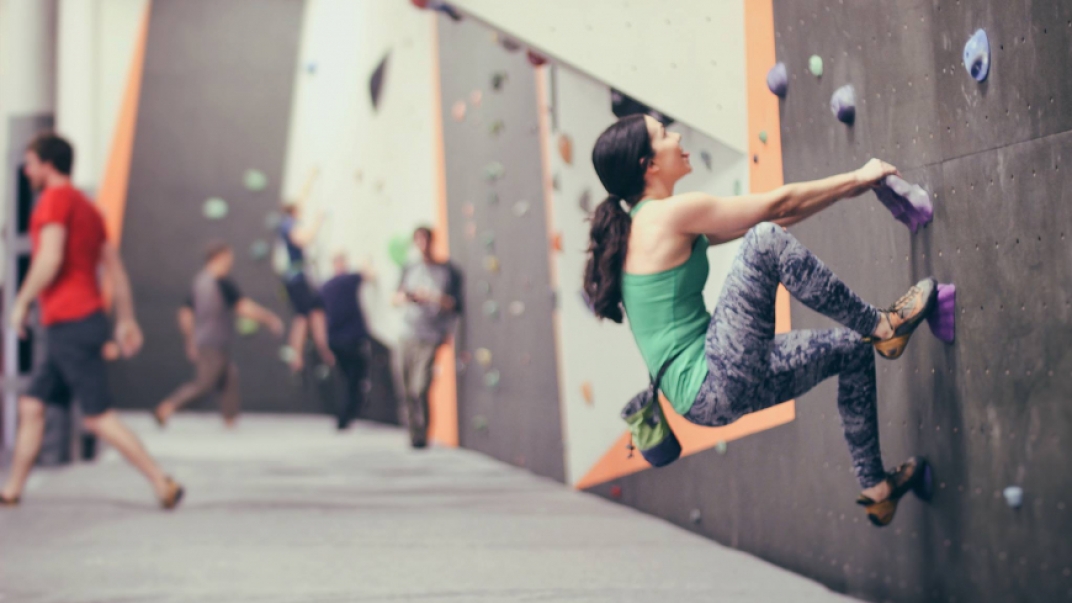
{"x":215,"y":99}
{"x":600,"y":366}
{"x":508,"y":406}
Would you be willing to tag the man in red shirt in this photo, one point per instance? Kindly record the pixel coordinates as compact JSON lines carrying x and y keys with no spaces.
{"x":69,"y":245}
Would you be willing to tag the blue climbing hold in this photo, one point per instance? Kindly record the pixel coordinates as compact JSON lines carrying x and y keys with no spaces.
{"x":843,"y":104}
{"x":977,"y":55}
{"x":778,"y":80}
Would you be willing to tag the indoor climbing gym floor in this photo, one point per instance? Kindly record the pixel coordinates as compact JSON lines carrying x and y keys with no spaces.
{"x":284,"y":509}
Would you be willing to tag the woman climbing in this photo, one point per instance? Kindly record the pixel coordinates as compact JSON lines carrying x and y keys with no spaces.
{"x":648,"y":257}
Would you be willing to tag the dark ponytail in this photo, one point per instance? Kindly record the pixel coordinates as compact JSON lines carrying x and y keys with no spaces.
{"x":620,"y":156}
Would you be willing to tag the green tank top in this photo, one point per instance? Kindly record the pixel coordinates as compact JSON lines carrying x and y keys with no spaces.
{"x":667,"y":314}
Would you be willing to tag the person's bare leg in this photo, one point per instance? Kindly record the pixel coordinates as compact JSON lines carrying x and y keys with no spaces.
{"x":298,"y":329}
{"x":109,"y":428}
{"x":319,"y":326}
{"x":879,"y":492}
{"x":230,"y":397}
{"x":27,"y":445}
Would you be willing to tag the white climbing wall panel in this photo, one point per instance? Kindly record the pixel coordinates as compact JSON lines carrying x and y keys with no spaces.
{"x":685,"y":58}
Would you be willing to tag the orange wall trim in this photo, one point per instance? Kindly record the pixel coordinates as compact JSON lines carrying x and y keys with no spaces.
{"x":764,"y":175}
{"x":443,"y":396}
{"x":112,"y":197}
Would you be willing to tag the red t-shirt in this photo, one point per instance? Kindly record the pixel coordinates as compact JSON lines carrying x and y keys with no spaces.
{"x":75,"y":292}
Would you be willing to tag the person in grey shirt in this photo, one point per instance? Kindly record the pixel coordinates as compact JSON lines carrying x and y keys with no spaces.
{"x":429,"y":292}
{"x":215,"y":302}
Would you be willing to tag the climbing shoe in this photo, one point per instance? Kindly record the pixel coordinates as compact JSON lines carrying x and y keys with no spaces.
{"x":913,"y":475}
{"x":904,"y":316}
{"x":9,"y":502}
{"x":174,"y":494}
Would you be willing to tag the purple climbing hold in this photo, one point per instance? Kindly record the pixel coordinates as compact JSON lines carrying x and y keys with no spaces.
{"x":778,"y":80}
{"x":942,"y":320}
{"x":908,"y":203}
{"x":446,"y":8}
{"x":843,"y":104}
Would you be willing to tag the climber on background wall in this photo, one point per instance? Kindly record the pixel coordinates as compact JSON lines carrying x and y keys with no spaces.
{"x":648,"y":259}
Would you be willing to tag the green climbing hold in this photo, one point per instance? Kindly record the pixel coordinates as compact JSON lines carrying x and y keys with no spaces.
{"x":763,"y":137}
{"x":815,"y":65}
{"x":736,"y":187}
{"x":258,"y":250}
{"x":491,"y":379}
{"x":721,"y":447}
{"x":496,"y":127}
{"x":398,"y":249}
{"x":255,"y":180}
{"x":480,"y":423}
{"x":498,"y":79}
{"x":491,"y":308}
{"x":246,"y":326}
{"x":215,"y":208}
{"x":489,"y":240}
{"x":494,"y":171}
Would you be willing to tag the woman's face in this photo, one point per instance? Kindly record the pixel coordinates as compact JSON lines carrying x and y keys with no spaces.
{"x":671,"y":162}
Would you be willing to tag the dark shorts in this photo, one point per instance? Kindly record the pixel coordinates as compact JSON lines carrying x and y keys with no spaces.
{"x":303,"y":299}
{"x":73,"y":367}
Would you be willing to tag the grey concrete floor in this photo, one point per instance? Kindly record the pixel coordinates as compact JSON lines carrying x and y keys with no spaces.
{"x":285,"y":509}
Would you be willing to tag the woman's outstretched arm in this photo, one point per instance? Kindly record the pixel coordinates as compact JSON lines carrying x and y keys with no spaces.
{"x":724,"y":219}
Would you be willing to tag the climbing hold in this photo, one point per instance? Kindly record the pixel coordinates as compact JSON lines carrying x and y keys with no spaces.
{"x":556,"y":241}
{"x":446,"y":8}
{"x":398,"y":249}
{"x":755,"y":158}
{"x":489,"y":240}
{"x":556,"y":183}
{"x":536,"y":60}
{"x":615,"y":491}
{"x":480,"y":423}
{"x":1014,"y":496}
{"x":287,"y":354}
{"x":587,"y":393}
{"x":422,"y":4}
{"x":468,"y":209}
{"x":720,"y":447}
{"x":496,"y":127}
{"x":498,"y":80}
{"x":763,"y":136}
{"x":509,"y":44}
{"x":359,"y":175}
{"x":493,"y":171}
{"x":706,"y":158}
{"x":491,"y":379}
{"x":310,"y":68}
{"x":491,"y":264}
{"x":457,"y":111}
{"x":470,"y":231}
{"x":517,"y":308}
{"x":475,"y":97}
{"x":272,"y":220}
{"x":815,"y":65}
{"x":246,"y":326}
{"x":483,"y":357}
{"x":376,"y":81}
{"x":485,"y":287}
{"x":942,"y":321}
{"x":521,"y":208}
{"x":977,"y":55}
{"x":843,"y":104}
{"x":908,"y":203}
{"x":258,"y":250}
{"x":491,"y":308}
{"x":323,"y":371}
{"x":255,"y":180}
{"x":736,"y":187}
{"x":215,"y":208}
{"x":778,"y":79}
{"x":493,"y":198}
{"x":565,"y":148}
{"x":585,"y":201}
{"x":695,"y":516}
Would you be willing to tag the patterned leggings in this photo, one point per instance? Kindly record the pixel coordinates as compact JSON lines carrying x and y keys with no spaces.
{"x":751,"y":368}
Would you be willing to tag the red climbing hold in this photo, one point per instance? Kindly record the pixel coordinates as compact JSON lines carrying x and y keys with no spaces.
{"x":615,"y":491}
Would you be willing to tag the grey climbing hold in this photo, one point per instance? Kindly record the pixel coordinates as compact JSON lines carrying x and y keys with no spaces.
{"x":215,"y":208}
{"x":287,"y":354}
{"x":1014,"y":496}
{"x":695,"y":516}
{"x":509,"y":44}
{"x":521,"y":208}
{"x":493,"y":198}
{"x":556,"y":183}
{"x":498,"y":80}
{"x":491,"y":308}
{"x":491,"y":379}
{"x":493,"y":171}
{"x":258,"y":250}
{"x":255,"y":180}
{"x":977,"y":55}
{"x":706,"y":158}
{"x":585,"y":202}
{"x":843,"y":104}
{"x":485,"y":287}
{"x":778,"y":80}
{"x":323,"y":371}
{"x":721,"y":447}
{"x":815,"y":65}
{"x":272,"y":220}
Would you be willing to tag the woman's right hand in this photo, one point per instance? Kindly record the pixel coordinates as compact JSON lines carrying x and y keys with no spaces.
{"x":874,"y":172}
